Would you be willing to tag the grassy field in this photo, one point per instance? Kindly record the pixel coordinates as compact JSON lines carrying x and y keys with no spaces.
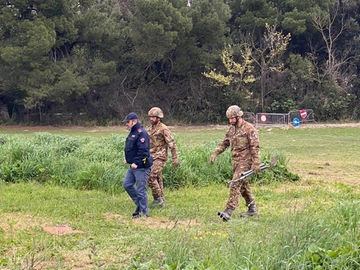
{"x":309,"y":224}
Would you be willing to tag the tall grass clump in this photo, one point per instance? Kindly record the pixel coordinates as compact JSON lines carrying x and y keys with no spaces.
{"x":98,"y":164}
{"x":70,"y":161}
{"x":196,"y":170}
{"x":103,"y":167}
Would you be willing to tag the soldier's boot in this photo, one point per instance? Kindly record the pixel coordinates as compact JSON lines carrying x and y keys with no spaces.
{"x":159,"y":202}
{"x":226,"y":214}
{"x":252,"y":211}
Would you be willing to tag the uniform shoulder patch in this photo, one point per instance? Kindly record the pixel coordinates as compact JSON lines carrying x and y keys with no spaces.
{"x":142,"y":140}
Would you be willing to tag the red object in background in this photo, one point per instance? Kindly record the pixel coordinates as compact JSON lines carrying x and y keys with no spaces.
{"x":303,"y":113}
{"x":263,"y":118}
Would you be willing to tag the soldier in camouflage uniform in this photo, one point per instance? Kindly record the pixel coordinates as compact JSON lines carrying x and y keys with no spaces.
{"x":161,"y":139}
{"x":243,"y":139}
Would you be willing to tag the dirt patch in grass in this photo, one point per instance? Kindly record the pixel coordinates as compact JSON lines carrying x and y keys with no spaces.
{"x":13,"y":222}
{"x":60,"y":230}
{"x":155,"y":222}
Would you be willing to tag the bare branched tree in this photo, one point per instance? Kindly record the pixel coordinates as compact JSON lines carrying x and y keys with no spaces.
{"x":331,"y":24}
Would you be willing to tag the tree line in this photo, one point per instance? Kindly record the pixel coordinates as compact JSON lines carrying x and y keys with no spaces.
{"x":93,"y":61}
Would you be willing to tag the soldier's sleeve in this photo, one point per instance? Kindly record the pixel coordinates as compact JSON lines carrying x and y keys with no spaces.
{"x":222,"y":146}
{"x":169,"y":138}
{"x":254,"y":146}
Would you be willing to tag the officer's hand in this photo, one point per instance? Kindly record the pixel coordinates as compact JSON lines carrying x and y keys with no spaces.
{"x":256,"y":168}
{"x":175,"y":163}
{"x":212,"y":158}
{"x":133,"y":166}
{"x":125,"y":162}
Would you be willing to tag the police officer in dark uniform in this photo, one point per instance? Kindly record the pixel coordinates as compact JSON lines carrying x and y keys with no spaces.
{"x":137,"y":155}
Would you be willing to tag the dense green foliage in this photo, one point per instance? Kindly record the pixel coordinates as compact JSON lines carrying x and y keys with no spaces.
{"x":98,"y":164}
{"x":92,"y":61}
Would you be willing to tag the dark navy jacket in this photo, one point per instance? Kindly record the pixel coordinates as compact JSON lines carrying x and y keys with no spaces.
{"x":137,"y":147}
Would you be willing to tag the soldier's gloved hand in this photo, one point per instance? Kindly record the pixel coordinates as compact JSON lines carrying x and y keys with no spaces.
{"x":256,"y":168}
{"x":175,"y":163}
{"x":212,"y":158}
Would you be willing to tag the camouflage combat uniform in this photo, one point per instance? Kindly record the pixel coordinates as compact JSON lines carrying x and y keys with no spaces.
{"x":244,"y":143}
{"x":161,"y":139}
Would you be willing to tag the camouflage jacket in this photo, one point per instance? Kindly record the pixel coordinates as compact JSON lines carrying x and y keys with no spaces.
{"x":244,"y":143}
{"x":161,"y":139}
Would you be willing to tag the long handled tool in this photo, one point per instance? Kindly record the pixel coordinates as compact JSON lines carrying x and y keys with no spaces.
{"x":263,"y":166}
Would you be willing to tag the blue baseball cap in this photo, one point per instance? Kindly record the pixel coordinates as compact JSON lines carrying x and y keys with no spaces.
{"x":131,"y":116}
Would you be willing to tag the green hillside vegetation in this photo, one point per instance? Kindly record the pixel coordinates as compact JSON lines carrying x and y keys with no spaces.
{"x":308,"y":204}
{"x":90,"y":62}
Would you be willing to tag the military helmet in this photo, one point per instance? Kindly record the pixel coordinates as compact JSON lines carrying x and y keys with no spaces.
{"x":156,"y":111}
{"x":234,"y":111}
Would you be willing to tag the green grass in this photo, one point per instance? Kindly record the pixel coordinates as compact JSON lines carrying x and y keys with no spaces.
{"x":309,"y":224}
{"x":323,"y":153}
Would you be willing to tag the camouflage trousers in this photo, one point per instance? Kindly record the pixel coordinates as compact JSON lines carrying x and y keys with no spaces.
{"x":240,"y":187}
{"x":155,"y":180}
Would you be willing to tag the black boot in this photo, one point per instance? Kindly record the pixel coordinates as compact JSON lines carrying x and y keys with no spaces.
{"x":226,"y":214}
{"x":252,"y":211}
{"x":137,"y":212}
